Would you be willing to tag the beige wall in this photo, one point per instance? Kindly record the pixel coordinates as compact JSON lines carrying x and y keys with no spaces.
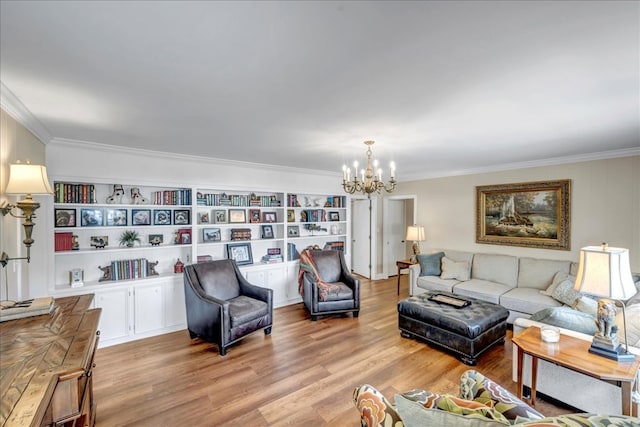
{"x":605,"y":207}
{"x":17,"y":143}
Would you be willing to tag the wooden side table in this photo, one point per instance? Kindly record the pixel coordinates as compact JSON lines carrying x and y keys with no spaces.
{"x":573,"y":353}
{"x":402,"y":264}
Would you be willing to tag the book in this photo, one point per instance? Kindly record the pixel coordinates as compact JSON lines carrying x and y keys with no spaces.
{"x":28,"y":308}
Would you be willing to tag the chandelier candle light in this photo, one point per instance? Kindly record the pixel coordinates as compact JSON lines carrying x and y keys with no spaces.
{"x":371,"y":176}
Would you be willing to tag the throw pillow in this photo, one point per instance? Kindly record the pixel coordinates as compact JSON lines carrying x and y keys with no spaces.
{"x":565,"y":293}
{"x":455,"y":270}
{"x":375,"y":410}
{"x":567,"y":318}
{"x":558,"y":278}
{"x":633,"y":325}
{"x":586,"y":305}
{"x":430,"y":264}
{"x":415,"y":414}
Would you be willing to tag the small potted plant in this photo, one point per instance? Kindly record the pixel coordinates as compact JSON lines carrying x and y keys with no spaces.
{"x":129,"y":237}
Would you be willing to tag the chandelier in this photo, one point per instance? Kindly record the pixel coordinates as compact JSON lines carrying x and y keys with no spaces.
{"x":370,"y":180}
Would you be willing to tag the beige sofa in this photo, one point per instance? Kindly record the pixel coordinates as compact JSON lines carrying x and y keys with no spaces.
{"x":513,"y":282}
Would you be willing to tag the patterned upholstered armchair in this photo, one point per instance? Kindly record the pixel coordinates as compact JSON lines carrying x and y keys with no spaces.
{"x":327,"y":285}
{"x":222,"y":307}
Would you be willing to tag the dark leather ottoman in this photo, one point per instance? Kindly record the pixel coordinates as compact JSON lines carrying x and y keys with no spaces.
{"x":467,"y":331}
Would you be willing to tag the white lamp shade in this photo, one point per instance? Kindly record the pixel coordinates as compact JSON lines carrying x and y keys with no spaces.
{"x":415,"y":233}
{"x":605,"y":272}
{"x":28,"y":179}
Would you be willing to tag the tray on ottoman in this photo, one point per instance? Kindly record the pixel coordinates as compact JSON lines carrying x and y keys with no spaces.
{"x":468,"y":331}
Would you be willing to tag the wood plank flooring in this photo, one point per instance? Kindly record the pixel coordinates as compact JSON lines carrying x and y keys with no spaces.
{"x":303,"y":374}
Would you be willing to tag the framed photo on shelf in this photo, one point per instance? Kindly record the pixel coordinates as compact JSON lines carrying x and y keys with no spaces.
{"x":240,"y":253}
{"x":203,"y":218}
{"x":116,"y":217}
{"x":291,"y":215}
{"x":181,"y":217}
{"x":162,"y":217}
{"x":269,"y":217}
{"x":65,"y":217}
{"x":91,"y":217}
{"x":140,"y":216}
{"x":254,"y":215}
{"x":99,"y":242}
{"x":267,"y":232}
{"x":293,"y":231}
{"x":334,"y":216}
{"x":155,"y":239}
{"x":183,"y":236}
{"x":219,"y":217}
{"x":210,"y":235}
{"x":237,"y":216}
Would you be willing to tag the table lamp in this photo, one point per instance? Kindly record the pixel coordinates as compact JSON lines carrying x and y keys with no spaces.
{"x":605,"y":272}
{"x":415,"y":233}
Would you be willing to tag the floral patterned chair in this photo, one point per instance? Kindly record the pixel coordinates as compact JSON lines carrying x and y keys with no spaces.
{"x":481,"y":403}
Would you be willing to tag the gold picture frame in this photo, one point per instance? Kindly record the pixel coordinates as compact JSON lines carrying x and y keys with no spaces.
{"x":528,"y":214}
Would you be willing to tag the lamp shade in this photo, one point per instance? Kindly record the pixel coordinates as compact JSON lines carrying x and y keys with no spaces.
{"x":605,"y":272}
{"x":28,"y":179}
{"x":415,"y":233}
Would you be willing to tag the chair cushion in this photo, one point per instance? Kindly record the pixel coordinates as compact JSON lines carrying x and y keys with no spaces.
{"x":244,"y":309}
{"x":338,"y":292}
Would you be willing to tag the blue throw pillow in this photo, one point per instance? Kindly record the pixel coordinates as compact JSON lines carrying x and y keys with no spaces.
{"x":430,"y":264}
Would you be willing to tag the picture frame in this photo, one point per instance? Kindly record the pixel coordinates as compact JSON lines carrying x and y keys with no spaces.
{"x":99,"y":242}
{"x":211,"y":235}
{"x":183,"y":236}
{"x":162,"y":217}
{"x":203,"y":217}
{"x":240,"y":253}
{"x":291,"y":215}
{"x":269,"y":217}
{"x":219,"y":217}
{"x":156,"y":239}
{"x":140,"y":216}
{"x":266,"y":232}
{"x":116,"y":217}
{"x":334,"y":216}
{"x":237,"y":216}
{"x":293,"y":231}
{"x":91,"y":218}
{"x":181,"y":217}
{"x":254,"y":216}
{"x":64,"y":217}
{"x":529,"y":214}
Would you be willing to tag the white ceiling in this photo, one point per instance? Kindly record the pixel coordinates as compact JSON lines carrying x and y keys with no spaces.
{"x":442,"y":87}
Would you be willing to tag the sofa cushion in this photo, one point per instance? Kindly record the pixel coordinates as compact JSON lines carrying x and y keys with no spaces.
{"x":567,"y":318}
{"x":481,"y":289}
{"x":565,"y":293}
{"x":497,"y":268}
{"x":435,"y":283}
{"x":430,"y":264}
{"x":458,"y":270}
{"x":539,"y":273}
{"x":633,"y":325}
{"x":414,"y":414}
{"x":526,"y":300}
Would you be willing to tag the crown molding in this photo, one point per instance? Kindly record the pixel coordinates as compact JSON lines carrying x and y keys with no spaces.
{"x":587,"y":157}
{"x":95,"y":146}
{"x":16,"y":109}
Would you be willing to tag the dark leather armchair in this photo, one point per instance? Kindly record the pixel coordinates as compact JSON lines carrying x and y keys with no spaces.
{"x":342,"y":297}
{"x":222,"y":307}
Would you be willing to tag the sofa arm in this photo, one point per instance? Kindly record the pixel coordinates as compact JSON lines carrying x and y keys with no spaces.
{"x":414,"y":273}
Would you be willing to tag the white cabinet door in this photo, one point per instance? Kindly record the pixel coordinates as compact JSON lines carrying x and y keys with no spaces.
{"x":115,"y":320}
{"x":276,"y":279}
{"x":175,"y":313}
{"x":293,"y":292}
{"x":256,"y":277}
{"x":149,"y":309}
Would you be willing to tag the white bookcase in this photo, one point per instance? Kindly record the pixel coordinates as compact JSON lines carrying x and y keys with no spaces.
{"x":264,"y":230}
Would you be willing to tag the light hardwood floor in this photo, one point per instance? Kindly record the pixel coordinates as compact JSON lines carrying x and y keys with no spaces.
{"x":303,"y":374}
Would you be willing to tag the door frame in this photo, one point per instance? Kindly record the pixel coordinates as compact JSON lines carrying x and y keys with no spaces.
{"x":385,"y":228}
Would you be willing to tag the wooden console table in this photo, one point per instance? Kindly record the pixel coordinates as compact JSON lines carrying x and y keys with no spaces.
{"x":46,"y":364}
{"x":402,"y":264}
{"x":573,"y":353}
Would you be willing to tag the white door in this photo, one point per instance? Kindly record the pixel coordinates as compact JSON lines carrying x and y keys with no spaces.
{"x":361,"y":237}
{"x":396,"y":228}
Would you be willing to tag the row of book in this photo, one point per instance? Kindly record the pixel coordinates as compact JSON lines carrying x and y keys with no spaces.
{"x":63,"y":241}
{"x":130,"y":269}
{"x":313,"y":215}
{"x":74,"y":193}
{"x":334,"y":246}
{"x":171,"y":197}
{"x":241,"y":200}
{"x":331,"y":202}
